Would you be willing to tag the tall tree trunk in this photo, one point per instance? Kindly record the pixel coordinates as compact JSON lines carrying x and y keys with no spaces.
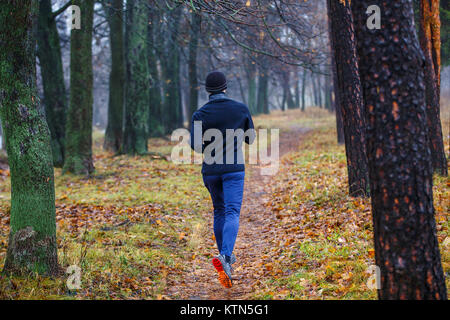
{"x":319,"y":90}
{"x":55,"y":99}
{"x":401,"y":176}
{"x":285,"y":86}
{"x":283,"y":101}
{"x":430,"y":41}
{"x":137,"y":94}
{"x":78,"y":158}
{"x":342,"y":38}
{"x":196,"y":20}
{"x":289,"y":98}
{"x":241,"y":89}
{"x":263,"y":85}
{"x":314,"y":89}
{"x":304,"y":89}
{"x":171,"y":73}
{"x":32,"y":238}
{"x":114,"y":129}
{"x":297,"y":90}
{"x":251,"y":83}
{"x":155,"y":123}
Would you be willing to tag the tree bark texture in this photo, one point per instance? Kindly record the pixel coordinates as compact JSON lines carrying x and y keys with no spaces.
{"x":32,"y":239}
{"x":55,"y":98}
{"x":342,"y":38}
{"x":430,"y":41}
{"x":155,"y":123}
{"x":137,"y":93}
{"x":114,"y":128}
{"x":78,"y":158}
{"x":401,"y":181}
{"x":196,"y":21}
{"x":171,"y":75}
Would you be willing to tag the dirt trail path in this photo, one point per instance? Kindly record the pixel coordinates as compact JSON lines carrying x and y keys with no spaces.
{"x":253,"y":248}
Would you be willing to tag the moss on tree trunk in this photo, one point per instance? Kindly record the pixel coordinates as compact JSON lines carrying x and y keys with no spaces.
{"x":78,"y":158}
{"x":55,"y":99}
{"x":137,"y":93}
{"x":32,"y":239}
{"x":114,"y":129}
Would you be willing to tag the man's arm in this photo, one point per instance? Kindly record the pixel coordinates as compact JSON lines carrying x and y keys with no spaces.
{"x":196,"y":134}
{"x":250,"y":137}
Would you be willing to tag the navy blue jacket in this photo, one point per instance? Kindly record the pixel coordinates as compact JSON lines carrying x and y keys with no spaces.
{"x":222,"y":113}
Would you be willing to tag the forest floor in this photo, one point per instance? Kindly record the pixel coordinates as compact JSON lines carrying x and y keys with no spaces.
{"x":141,"y":227}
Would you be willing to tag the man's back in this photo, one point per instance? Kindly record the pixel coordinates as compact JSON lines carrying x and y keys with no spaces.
{"x":224,"y":114}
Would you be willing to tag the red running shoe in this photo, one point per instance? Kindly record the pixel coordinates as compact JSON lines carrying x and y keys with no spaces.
{"x":224,"y":270}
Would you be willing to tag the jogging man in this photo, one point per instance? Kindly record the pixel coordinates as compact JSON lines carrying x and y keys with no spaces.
{"x":223,"y":175}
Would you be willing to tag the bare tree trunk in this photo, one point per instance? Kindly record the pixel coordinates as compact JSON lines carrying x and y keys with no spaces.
{"x":314,"y":89}
{"x":263,"y":87}
{"x":196,"y":21}
{"x":430,"y":39}
{"x":155,"y":118}
{"x":319,"y":90}
{"x":400,"y":170}
{"x":78,"y":159}
{"x":171,"y":74}
{"x":114,"y":129}
{"x":304,"y":90}
{"x":342,"y":39}
{"x":252,"y":87}
{"x":55,"y":99}
{"x":297,"y":90}
{"x":136,"y":92}
{"x":32,"y":243}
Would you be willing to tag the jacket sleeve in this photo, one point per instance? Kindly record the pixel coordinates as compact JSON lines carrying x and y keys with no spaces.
{"x":196,"y":133}
{"x":250,"y":133}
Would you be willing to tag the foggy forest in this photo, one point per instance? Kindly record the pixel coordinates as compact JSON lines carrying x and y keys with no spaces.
{"x":350,"y":105}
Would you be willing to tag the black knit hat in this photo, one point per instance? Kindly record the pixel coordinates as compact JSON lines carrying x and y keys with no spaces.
{"x":216,"y":82}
